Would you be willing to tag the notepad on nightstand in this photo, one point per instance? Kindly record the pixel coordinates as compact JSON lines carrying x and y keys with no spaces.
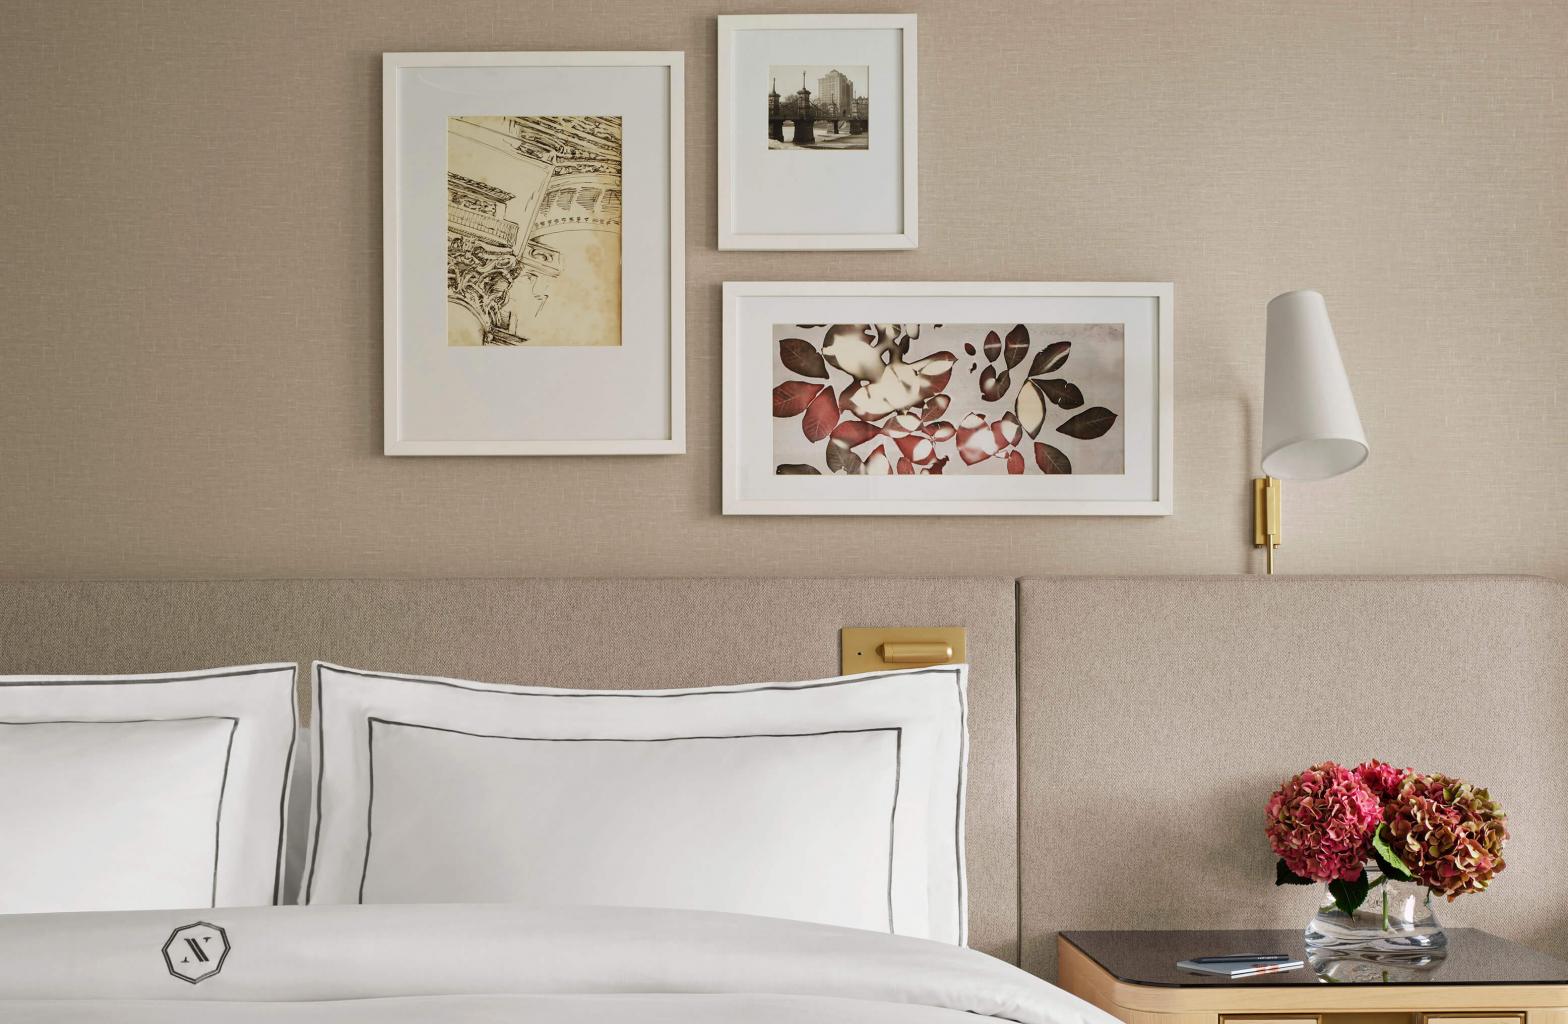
{"x":1241,"y":967}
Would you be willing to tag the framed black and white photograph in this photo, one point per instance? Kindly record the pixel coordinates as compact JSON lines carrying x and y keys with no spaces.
{"x":957,"y":398}
{"x":818,"y":134}
{"x":551,"y":185}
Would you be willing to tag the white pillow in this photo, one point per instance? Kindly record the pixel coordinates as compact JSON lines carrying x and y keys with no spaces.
{"x":144,"y":792}
{"x":836,"y":800}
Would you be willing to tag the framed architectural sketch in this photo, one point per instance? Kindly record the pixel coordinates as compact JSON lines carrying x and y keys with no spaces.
{"x":977,"y":398}
{"x":817,"y":131}
{"x":550,"y":185}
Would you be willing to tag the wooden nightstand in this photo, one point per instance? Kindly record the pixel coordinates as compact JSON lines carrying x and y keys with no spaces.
{"x":1484,"y":980}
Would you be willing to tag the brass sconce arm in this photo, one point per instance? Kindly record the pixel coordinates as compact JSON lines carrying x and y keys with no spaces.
{"x":1266,"y":516}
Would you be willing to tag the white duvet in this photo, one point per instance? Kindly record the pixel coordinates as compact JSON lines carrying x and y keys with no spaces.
{"x":468,"y":963}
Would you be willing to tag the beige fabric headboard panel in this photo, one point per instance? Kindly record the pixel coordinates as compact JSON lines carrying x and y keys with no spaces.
{"x":1157,"y":714}
{"x":568,"y":632}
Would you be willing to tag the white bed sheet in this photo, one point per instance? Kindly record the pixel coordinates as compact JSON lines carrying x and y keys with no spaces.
{"x":495,"y":962}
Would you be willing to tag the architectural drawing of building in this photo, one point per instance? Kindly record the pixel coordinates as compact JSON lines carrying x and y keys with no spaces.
{"x":533,"y":230}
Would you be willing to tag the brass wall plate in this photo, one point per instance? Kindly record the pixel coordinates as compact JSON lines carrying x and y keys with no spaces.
{"x":874,"y":648}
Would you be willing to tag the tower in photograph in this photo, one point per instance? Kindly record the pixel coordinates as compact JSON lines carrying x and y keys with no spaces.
{"x":836,"y":91}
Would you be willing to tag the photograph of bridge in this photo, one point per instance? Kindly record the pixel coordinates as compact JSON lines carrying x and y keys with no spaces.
{"x":533,"y":230}
{"x":819,"y":107}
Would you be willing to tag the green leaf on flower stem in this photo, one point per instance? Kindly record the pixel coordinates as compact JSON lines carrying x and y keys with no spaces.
{"x":1387,"y":860}
{"x":1348,"y":896}
{"x":1285,"y":876}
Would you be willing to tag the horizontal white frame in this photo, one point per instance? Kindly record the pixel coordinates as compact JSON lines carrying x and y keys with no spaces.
{"x":1163,"y":503}
{"x":391,"y":64}
{"x":908,"y":238}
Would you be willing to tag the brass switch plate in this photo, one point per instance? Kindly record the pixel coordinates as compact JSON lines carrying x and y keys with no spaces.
{"x":879,"y":648}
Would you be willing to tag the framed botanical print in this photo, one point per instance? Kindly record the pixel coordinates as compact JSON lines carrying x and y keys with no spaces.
{"x":818,"y":131}
{"x":968,"y":398}
{"x":551,"y":187}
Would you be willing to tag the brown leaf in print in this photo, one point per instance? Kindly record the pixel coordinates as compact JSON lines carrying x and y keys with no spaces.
{"x":1051,"y":460}
{"x":796,"y":469}
{"x":821,"y":416}
{"x":1089,"y":424}
{"x":841,"y":460}
{"x":1050,"y":358}
{"x":1017,"y":345}
{"x":1015,"y":462}
{"x":993,"y":385}
{"x":878,"y":465}
{"x":791,"y":397}
{"x":992,"y":347}
{"x":1066,"y":395}
{"x":801,"y":356}
{"x":1008,"y":431}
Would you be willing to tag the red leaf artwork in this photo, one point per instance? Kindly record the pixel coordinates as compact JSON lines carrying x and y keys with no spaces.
{"x":855,"y":433}
{"x":934,"y":408}
{"x":916,"y":449}
{"x":976,"y":439}
{"x":791,"y":397}
{"x":821,"y":416}
{"x":872,"y":401}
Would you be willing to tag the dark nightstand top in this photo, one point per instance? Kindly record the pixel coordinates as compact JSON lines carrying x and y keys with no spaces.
{"x":1149,"y":958}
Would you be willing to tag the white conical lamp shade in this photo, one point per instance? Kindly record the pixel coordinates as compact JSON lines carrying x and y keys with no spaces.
{"x":1311,"y":429}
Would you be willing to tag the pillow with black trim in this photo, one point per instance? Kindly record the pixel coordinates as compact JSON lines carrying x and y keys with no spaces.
{"x":144,"y":792}
{"x":839,"y":801}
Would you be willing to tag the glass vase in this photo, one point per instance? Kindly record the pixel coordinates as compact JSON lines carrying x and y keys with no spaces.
{"x":1394,"y":928}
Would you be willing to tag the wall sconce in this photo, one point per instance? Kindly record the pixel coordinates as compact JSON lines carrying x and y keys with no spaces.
{"x":1311,"y":430}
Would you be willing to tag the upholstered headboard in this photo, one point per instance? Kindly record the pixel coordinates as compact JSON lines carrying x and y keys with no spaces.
{"x":1124,"y":732}
{"x":1156,"y":716}
{"x":568,"y":632}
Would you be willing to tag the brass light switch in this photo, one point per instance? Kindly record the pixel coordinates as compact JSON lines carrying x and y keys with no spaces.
{"x":870,"y":649}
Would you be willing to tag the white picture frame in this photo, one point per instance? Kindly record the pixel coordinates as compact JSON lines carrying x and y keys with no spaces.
{"x":879,"y":183}
{"x":624,"y":396}
{"x":1125,"y":343}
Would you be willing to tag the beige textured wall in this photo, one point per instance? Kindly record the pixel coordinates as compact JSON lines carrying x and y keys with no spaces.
{"x":190,"y":277}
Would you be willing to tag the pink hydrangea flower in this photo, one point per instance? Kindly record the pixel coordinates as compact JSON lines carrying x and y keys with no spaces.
{"x":1449,"y":833}
{"x":1321,"y":822}
{"x":1382,"y":779}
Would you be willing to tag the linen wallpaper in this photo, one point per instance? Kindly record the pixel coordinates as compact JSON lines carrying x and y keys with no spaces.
{"x":190,"y":272}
